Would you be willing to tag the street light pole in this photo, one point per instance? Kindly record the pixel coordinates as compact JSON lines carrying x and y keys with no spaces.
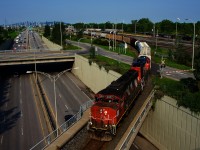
{"x":53,"y":79}
{"x":135,"y":26}
{"x":193,"y":44}
{"x":193,"y":47}
{"x":176,"y":26}
{"x":60,"y":35}
{"x":54,"y":88}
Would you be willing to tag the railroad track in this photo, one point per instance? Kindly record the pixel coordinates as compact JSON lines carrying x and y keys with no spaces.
{"x":95,"y":144}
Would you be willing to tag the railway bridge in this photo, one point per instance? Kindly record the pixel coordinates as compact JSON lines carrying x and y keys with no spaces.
{"x":141,"y":109}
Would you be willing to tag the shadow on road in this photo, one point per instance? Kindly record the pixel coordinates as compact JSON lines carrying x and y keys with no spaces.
{"x":8,"y":117}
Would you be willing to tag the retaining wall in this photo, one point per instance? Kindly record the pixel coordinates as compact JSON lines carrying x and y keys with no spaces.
{"x":93,"y":76}
{"x":172,"y":128}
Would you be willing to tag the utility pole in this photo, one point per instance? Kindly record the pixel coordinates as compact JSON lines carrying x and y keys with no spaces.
{"x":61,"y":36}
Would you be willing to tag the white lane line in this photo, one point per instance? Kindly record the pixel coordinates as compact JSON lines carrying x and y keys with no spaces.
{"x":22,"y":130}
{"x":66,"y":107}
{"x":20,"y":100}
{"x":1,"y":139}
{"x":78,"y":87}
{"x":21,"y":114}
{"x":168,"y":74}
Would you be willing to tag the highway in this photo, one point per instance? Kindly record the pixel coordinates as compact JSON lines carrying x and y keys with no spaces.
{"x":20,"y":123}
{"x":68,"y":95}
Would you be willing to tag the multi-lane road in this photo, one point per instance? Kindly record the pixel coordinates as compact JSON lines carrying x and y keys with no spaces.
{"x":69,"y":96}
{"x":20,"y":123}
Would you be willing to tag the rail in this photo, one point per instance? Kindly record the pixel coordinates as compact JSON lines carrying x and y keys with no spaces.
{"x":64,"y":127}
{"x":135,"y":128}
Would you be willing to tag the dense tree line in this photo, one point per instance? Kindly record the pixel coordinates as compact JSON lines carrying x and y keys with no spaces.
{"x":55,"y":33}
{"x":146,"y":26}
{"x":4,"y":34}
{"x":8,"y":33}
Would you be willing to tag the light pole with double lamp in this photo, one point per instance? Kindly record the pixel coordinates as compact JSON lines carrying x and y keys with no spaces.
{"x":53,"y":79}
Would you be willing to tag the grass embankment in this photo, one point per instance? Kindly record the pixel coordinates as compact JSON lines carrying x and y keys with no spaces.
{"x":71,"y":47}
{"x":118,"y":50}
{"x":185,"y":92}
{"x":109,"y":64}
{"x":157,"y":56}
{"x":14,"y":34}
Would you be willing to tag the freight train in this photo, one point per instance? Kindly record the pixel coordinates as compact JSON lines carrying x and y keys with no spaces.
{"x":112,"y":35}
{"x":112,"y":103}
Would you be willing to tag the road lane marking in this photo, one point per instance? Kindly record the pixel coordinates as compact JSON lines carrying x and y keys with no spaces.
{"x":37,"y":107}
{"x":1,"y":139}
{"x":66,"y":107}
{"x":22,"y":130}
{"x":168,"y":74}
{"x":78,"y":87}
{"x":21,"y":113}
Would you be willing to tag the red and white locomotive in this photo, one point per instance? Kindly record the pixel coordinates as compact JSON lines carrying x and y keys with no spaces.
{"x":112,"y":103}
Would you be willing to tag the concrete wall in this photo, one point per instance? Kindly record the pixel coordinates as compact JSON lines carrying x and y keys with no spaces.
{"x":91,"y":75}
{"x":173,"y":128}
{"x":51,"y":45}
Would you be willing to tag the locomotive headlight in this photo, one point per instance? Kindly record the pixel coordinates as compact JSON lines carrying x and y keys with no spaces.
{"x":105,"y":112}
{"x":106,"y":125}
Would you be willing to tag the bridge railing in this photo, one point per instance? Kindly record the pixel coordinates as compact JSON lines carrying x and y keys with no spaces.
{"x":63,"y":128}
{"x":135,"y":128}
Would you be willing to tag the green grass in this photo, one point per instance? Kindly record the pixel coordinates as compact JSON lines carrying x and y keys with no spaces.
{"x":120,"y":51}
{"x":162,"y":51}
{"x":71,"y":47}
{"x":128,"y":51}
{"x":155,"y":58}
{"x":110,"y":64}
{"x":180,"y":92}
{"x":13,"y":34}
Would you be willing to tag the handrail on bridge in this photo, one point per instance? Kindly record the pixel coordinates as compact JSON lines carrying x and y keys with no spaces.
{"x":127,"y":142}
{"x":64,"y":127}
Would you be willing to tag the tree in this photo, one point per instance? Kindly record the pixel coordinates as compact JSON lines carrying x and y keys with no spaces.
{"x":56,"y":33}
{"x":181,"y":56}
{"x":108,"y":25}
{"x":144,"y":25}
{"x":47,"y":31}
{"x":166,"y":26}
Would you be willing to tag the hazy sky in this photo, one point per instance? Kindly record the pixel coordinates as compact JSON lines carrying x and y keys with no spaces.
{"x":73,"y":11}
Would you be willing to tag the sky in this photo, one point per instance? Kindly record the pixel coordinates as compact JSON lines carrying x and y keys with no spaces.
{"x":99,"y":11}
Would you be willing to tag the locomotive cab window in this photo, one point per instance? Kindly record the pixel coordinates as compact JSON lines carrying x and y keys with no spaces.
{"x":98,"y":99}
{"x":116,"y":101}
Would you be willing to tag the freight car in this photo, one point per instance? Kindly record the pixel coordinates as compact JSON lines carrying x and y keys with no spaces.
{"x":112,"y":35}
{"x":113,"y":102}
